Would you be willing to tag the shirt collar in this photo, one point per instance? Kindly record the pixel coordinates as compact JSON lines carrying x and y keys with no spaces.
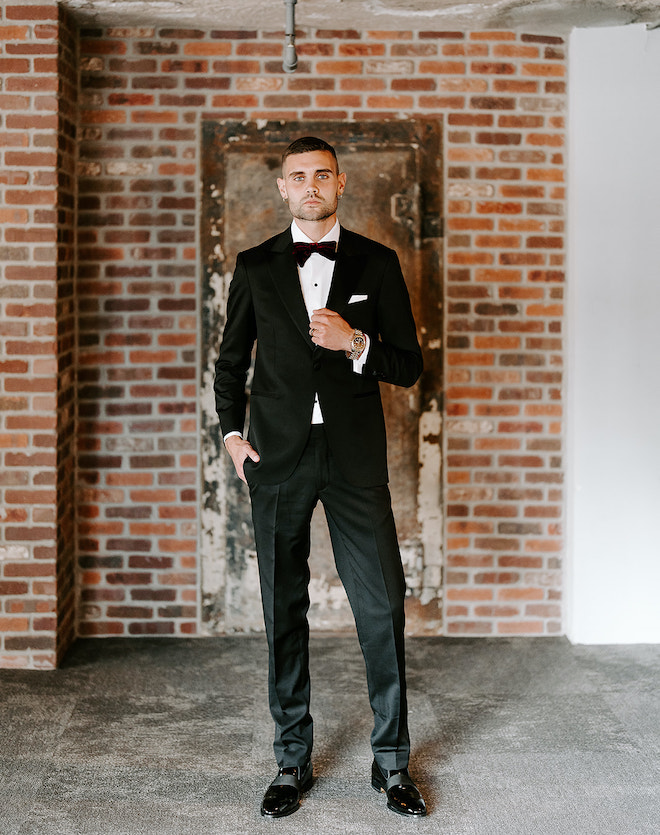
{"x":299,"y":236}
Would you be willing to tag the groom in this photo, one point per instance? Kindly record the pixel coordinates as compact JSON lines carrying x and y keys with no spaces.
{"x":331,"y":317}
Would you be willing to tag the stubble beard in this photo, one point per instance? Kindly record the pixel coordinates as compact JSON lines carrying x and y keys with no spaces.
{"x":313,"y":213}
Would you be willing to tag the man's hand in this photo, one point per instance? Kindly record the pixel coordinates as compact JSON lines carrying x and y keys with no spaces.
{"x":329,"y":330}
{"x":239,"y":451}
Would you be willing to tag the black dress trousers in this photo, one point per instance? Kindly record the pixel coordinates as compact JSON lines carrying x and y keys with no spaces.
{"x":368,"y":562}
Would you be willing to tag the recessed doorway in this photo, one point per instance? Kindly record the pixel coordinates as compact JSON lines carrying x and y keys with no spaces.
{"x":394,"y":195}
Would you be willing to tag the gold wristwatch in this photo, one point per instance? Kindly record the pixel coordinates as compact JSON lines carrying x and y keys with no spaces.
{"x":358,"y":344}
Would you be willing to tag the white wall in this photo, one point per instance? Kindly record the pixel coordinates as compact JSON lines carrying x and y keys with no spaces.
{"x":613,"y":566}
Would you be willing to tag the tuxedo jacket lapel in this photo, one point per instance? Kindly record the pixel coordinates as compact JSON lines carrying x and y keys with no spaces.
{"x":284,"y":274}
{"x":348,"y":268}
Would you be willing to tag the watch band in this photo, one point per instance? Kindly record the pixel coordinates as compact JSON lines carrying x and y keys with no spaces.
{"x":358,"y":344}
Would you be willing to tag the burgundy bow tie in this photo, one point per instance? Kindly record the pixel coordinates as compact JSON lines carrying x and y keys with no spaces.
{"x":302,"y":251}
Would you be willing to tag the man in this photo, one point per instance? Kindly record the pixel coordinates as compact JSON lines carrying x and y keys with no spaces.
{"x":330,"y":323}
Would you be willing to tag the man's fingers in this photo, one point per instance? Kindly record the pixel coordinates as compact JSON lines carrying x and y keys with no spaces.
{"x":324,"y":316}
{"x":329,"y":330}
{"x":239,"y":450}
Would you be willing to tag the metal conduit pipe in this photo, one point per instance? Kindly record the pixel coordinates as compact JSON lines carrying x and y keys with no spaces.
{"x":290,"y":58}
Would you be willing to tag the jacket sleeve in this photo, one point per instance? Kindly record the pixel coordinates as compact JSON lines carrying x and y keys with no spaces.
{"x":394,"y":353}
{"x":235,"y":353}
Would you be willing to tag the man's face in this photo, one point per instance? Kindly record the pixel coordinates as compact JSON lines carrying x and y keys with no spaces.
{"x":311,"y":185}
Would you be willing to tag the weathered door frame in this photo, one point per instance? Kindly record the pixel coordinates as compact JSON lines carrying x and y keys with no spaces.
{"x":228,"y":559}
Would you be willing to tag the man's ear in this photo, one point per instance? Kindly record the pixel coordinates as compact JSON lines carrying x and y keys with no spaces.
{"x":341,"y":179}
{"x":281,"y":184}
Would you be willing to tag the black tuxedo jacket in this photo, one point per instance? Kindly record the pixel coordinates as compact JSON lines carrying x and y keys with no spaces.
{"x":266,"y":304}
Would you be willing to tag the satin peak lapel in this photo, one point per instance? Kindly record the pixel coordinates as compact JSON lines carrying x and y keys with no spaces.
{"x":348,"y":269}
{"x":347,"y":272}
{"x":284,"y":275}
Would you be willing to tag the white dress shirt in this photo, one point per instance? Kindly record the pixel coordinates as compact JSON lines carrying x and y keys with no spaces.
{"x":315,"y":280}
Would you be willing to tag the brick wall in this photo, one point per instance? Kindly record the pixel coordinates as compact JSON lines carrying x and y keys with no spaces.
{"x":504,"y":343}
{"x":143,"y":93}
{"x":37,"y":335}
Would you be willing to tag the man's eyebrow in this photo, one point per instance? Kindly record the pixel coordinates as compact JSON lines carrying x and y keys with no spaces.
{"x":316,"y":171}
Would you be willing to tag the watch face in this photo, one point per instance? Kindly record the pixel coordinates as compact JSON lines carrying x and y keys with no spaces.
{"x":358,"y":342}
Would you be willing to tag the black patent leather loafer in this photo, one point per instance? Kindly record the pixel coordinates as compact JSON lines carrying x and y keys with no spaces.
{"x":403,"y":796}
{"x":283,"y":796}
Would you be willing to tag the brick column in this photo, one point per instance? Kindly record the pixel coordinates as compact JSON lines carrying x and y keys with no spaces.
{"x":37,"y":335}
{"x":504,"y":344}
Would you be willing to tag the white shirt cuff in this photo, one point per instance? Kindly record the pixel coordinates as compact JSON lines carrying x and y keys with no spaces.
{"x":229,"y":434}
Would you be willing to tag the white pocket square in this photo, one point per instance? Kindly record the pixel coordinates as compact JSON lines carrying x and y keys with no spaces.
{"x":357,"y":298}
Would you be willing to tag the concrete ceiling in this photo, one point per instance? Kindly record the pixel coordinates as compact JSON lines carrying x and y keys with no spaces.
{"x":532,"y":15}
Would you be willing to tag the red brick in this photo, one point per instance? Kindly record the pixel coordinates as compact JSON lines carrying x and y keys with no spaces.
{"x":14,"y":33}
{"x":546,"y":174}
{"x":492,"y":68}
{"x":337,"y":67}
{"x":39,"y":84}
{"x":520,"y":627}
{"x":92,"y":628}
{"x":390,"y":34}
{"x":497,"y":577}
{"x":492,"y":138}
{"x":395,"y":102}
{"x":469,"y":593}
{"x":544,"y":69}
{"x":408,"y":49}
{"x":443,"y":67}
{"x":207,"y":48}
{"x":179,"y":66}
{"x":493,"y":103}
{"x":129,"y":612}
{"x":470,"y":119}
{"x":441,"y":35}
{"x":14,"y":65}
{"x":151,"y":628}
{"x":515,"y":51}
{"x":459,"y":627}
{"x":508,"y":85}
{"x":30,"y":569}
{"x":36,"y":12}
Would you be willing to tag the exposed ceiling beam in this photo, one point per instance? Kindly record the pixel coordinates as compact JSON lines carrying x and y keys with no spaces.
{"x":538,"y":15}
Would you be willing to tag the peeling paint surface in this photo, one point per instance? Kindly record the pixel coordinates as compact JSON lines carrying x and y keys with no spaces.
{"x":14,"y":552}
{"x":214,"y":465}
{"x":429,"y":503}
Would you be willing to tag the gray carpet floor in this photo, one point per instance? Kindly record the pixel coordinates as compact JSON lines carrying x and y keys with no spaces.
{"x":173,"y":737}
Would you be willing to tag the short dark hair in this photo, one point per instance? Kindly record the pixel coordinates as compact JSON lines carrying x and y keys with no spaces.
{"x":309,"y":143}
